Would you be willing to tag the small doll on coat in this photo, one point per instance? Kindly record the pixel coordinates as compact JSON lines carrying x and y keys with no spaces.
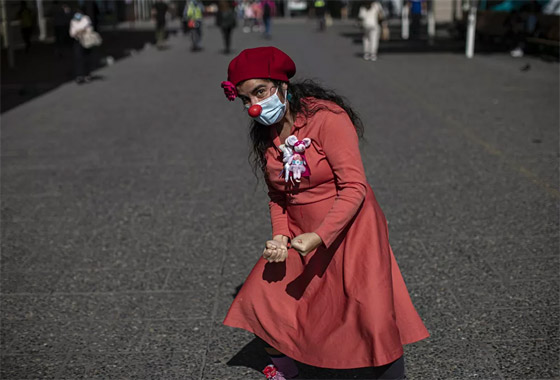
{"x":287,"y":154}
{"x":295,"y":165}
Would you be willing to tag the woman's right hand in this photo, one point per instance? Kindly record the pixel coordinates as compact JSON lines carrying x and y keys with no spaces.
{"x":276,"y":250}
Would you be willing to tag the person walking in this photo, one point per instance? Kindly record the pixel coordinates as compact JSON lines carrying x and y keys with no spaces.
{"x":258,"y":17}
{"x":26,"y":24}
{"x":268,"y":11}
{"x":193,"y":16}
{"x":62,"y":16}
{"x":327,"y":291}
{"x":226,"y":20}
{"x":523,"y":24}
{"x":321,"y":13}
{"x":248,"y":16}
{"x":416,"y":10}
{"x":79,"y":25}
{"x":92,"y":10}
{"x":370,"y":15}
{"x":159,"y":16}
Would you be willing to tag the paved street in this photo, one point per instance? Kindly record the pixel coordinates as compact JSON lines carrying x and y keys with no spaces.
{"x":130,"y":215}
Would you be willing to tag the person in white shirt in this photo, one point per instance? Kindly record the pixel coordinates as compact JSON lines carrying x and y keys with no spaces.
{"x":82,"y":57}
{"x":370,"y":15}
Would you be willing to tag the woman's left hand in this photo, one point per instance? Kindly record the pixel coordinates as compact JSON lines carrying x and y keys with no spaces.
{"x":307,"y":242}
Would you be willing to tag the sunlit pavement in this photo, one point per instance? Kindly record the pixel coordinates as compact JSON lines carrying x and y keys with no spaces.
{"x":130,"y":214}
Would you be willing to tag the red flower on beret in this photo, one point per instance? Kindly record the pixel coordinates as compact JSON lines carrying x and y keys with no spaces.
{"x":229,"y":90}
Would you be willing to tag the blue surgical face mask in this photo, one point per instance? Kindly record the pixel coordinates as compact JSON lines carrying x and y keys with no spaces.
{"x":273,"y":110}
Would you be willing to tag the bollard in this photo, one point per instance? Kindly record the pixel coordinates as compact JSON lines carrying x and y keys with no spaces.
{"x":469,"y":51}
{"x":405,"y":26}
{"x":41,"y":22}
{"x":431,"y":21}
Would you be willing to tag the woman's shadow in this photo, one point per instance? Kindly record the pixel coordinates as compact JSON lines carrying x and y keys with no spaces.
{"x":254,"y":356}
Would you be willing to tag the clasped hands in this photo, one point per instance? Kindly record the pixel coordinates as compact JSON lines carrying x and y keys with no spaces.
{"x":276,"y":250}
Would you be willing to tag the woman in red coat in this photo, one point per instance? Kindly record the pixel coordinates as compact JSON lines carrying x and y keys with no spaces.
{"x":327,"y":291}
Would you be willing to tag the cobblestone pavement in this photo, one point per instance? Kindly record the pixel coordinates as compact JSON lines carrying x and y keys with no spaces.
{"x":130,"y":215}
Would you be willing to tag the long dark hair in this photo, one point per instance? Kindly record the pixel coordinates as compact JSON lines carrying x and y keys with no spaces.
{"x":260,"y":134}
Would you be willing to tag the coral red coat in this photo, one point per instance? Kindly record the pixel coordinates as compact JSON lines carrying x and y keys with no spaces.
{"x":345,"y":305}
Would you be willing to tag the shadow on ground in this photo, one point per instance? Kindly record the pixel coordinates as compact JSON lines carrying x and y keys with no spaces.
{"x":421,"y":45}
{"x":253,"y":356}
{"x":43,"y":69}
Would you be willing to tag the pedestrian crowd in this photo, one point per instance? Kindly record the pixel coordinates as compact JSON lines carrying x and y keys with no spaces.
{"x":76,"y":26}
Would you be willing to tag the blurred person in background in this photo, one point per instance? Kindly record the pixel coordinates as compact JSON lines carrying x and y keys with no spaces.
{"x":320,"y":7}
{"x":258,"y":13}
{"x":523,"y":24}
{"x":26,"y":24}
{"x":390,"y":7}
{"x":248,"y":16}
{"x":193,"y":14}
{"x":80,"y":24}
{"x":416,"y":9}
{"x":62,"y":16}
{"x":344,"y":5}
{"x":159,"y":16}
{"x":92,"y":10}
{"x":226,"y":19}
{"x":268,"y":11}
{"x":371,"y":17}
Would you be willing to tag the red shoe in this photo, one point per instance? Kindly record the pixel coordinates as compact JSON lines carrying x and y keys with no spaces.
{"x":272,"y":373}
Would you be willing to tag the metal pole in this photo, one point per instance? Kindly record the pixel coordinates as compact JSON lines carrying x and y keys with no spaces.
{"x":7,"y":33}
{"x":431,"y":20}
{"x":5,"y":25}
{"x":41,"y":21}
{"x":469,"y":51}
{"x":405,"y":25}
{"x":135,"y":8}
{"x":454,"y":10}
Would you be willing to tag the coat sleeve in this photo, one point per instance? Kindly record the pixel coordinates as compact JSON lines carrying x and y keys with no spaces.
{"x":278,"y":216}
{"x":339,"y":142}
{"x":73,"y":29}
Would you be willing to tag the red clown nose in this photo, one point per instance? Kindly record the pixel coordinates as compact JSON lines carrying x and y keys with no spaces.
{"x":255,"y":110}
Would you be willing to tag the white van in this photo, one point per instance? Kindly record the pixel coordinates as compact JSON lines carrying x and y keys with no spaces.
{"x":296,"y":7}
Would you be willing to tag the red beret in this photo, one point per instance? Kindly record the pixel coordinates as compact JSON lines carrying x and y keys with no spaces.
{"x":262,"y":62}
